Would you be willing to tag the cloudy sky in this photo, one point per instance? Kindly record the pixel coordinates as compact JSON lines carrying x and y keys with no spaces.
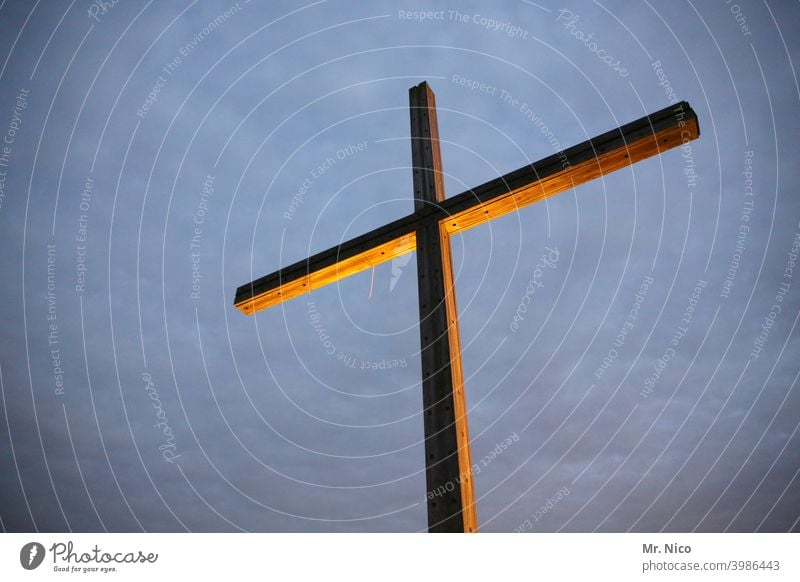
{"x":630,"y":347}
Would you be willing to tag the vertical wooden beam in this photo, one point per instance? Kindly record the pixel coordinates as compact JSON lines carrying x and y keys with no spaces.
{"x":451,"y":502}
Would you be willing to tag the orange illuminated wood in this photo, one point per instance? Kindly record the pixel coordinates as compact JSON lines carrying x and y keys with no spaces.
{"x":618,"y":148}
{"x":574,"y":175}
{"x":451,"y":501}
{"x":448,"y":466}
{"x":328,"y":274}
{"x":469,"y":511}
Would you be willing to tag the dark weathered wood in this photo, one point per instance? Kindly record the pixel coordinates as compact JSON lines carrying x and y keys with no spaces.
{"x":451,"y":503}
{"x":640,"y":139}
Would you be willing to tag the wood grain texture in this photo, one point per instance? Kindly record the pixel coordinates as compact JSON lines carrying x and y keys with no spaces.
{"x":615,"y":149}
{"x":448,"y":465}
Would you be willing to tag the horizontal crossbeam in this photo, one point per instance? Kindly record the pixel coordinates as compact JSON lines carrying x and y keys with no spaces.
{"x":611,"y":151}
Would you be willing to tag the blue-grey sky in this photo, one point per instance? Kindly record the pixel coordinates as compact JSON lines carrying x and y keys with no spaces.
{"x":630,"y":347}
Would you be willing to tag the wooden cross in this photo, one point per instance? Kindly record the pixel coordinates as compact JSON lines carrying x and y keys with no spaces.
{"x":428,"y":230}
